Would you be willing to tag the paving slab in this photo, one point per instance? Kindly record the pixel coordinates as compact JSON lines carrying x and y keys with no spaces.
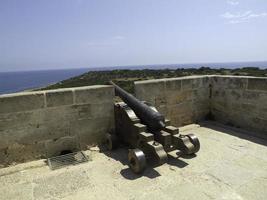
{"x":229,"y":165}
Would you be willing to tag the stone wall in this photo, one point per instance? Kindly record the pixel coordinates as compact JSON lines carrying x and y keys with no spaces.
{"x":240,"y":102}
{"x":182,"y":100}
{"x":232,"y":100}
{"x":42,"y":124}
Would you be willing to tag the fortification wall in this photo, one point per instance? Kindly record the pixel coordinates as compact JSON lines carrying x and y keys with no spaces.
{"x":182,"y":100}
{"x":42,"y":124}
{"x":232,"y":100}
{"x":240,"y":102}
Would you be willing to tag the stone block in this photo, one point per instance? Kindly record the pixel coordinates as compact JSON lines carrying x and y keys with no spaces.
{"x":180,"y":109}
{"x":91,"y":131}
{"x":159,"y":100}
{"x":90,"y":111}
{"x":234,"y":95}
{"x":220,"y":105}
{"x":61,"y":113}
{"x":187,"y":84}
{"x":176,"y":121}
{"x":59,"y":97}
{"x":198,"y":83}
{"x":83,"y":111}
{"x":19,"y":119}
{"x":201,"y":94}
{"x":230,"y":82}
{"x":144,"y":89}
{"x":257,"y":84}
{"x":218,"y":92}
{"x":103,"y":110}
{"x":21,"y":102}
{"x":248,"y":108}
{"x":173,"y":84}
{"x":162,"y":109}
{"x":186,"y":119}
{"x":200,"y":105}
{"x":46,"y":131}
{"x":179,"y":97}
{"x":93,"y":94}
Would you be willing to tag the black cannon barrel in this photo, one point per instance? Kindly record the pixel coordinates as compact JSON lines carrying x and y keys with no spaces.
{"x":154,"y":120}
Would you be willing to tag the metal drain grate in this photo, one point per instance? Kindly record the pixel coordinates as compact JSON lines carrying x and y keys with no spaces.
{"x":66,"y":160}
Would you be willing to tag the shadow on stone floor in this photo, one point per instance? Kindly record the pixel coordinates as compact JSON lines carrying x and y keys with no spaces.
{"x":120,"y":155}
{"x":255,"y":136}
{"x":176,"y":162}
{"x":149,"y":172}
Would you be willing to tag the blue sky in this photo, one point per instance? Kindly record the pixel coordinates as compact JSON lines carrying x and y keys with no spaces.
{"x":51,"y":34}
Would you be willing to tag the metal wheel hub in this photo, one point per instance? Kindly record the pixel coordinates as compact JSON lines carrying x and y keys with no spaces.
{"x":137,"y":160}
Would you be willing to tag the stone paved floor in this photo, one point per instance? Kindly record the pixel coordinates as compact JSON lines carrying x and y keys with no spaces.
{"x":229,"y":165}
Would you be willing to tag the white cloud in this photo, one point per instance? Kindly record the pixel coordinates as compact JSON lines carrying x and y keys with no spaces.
{"x":240,"y":17}
{"x":233,"y":3}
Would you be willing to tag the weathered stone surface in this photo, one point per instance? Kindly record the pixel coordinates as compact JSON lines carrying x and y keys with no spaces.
{"x":17,"y":153}
{"x":156,"y":90}
{"x":187,"y":84}
{"x":30,"y":120}
{"x":91,"y":131}
{"x":257,"y":84}
{"x":21,"y":102}
{"x":59,"y":97}
{"x":54,"y":187}
{"x":93,"y":94}
{"x":19,"y":119}
{"x":34,"y":125}
{"x":230,"y":82}
{"x":173,"y":84}
{"x":240,"y":101}
{"x":235,"y":170}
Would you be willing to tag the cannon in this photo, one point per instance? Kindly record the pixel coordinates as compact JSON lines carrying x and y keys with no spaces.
{"x":148,"y":134}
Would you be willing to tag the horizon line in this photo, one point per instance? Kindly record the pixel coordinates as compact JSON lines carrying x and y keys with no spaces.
{"x":140,"y":65}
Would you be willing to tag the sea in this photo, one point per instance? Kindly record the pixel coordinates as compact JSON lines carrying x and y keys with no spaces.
{"x":17,"y":81}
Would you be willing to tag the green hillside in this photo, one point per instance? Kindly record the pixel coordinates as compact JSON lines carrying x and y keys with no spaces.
{"x":125,"y":78}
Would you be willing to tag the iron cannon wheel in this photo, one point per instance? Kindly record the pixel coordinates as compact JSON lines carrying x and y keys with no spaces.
{"x":111,"y":141}
{"x":137,"y":160}
{"x":193,"y":138}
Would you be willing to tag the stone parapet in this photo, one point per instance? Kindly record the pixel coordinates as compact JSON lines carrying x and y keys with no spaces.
{"x":182,"y":100}
{"x":42,"y":124}
{"x":240,"y":101}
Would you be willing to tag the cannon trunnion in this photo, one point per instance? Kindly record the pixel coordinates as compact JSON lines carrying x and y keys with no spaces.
{"x":147,"y":142}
